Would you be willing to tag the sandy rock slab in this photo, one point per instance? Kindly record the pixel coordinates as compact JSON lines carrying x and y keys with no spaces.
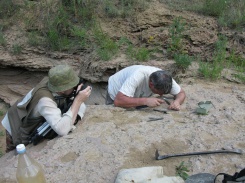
{"x":109,"y":139}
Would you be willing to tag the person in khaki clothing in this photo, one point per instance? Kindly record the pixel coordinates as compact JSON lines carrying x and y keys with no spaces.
{"x":42,"y":104}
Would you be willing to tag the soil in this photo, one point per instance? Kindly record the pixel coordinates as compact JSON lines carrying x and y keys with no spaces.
{"x":109,"y":139}
{"x":3,"y":109}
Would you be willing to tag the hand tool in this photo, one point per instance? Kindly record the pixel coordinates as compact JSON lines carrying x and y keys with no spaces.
{"x":154,"y":119}
{"x":160,"y":157}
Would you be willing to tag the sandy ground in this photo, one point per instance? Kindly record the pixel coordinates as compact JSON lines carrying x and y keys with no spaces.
{"x":109,"y":139}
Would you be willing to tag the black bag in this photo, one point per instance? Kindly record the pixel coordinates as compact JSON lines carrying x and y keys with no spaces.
{"x":44,"y":131}
{"x":237,"y":177}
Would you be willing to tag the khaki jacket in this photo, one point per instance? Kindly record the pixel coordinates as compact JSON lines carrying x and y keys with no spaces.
{"x":22,"y":125}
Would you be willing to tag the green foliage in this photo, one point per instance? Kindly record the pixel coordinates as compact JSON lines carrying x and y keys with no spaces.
{"x":140,"y":54}
{"x":1,"y":153}
{"x":33,"y":39}
{"x":80,"y":35}
{"x":183,"y":61}
{"x":214,"y":7}
{"x":229,"y":12}
{"x":16,"y":49}
{"x":176,"y":36}
{"x":213,"y":70}
{"x":237,"y":60}
{"x":58,"y":29}
{"x":72,"y":25}
{"x":124,"y":8}
{"x":210,"y":70}
{"x":1,"y":133}
{"x":189,"y":5}
{"x":124,"y":41}
{"x":81,"y":10}
{"x":220,"y":50}
{"x":106,"y":47}
{"x":2,"y":39}
{"x":240,"y":76}
{"x":7,"y":8}
{"x":181,"y":170}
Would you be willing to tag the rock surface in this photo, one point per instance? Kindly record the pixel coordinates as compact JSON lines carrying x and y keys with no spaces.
{"x":109,"y":139}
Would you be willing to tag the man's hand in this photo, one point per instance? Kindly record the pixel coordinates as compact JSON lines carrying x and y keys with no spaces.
{"x":83,"y":94}
{"x":81,"y":97}
{"x":179,"y":99}
{"x":122,"y":100}
{"x":153,"y":102}
{"x":175,"y":105}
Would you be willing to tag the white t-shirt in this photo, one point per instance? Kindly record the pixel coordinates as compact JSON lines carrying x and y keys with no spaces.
{"x":133,"y":81}
{"x":46,"y":107}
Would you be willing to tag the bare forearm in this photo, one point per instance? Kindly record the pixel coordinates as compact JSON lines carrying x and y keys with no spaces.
{"x":74,"y":109}
{"x":129,"y":102}
{"x":180,"y":97}
{"x":122,"y":100}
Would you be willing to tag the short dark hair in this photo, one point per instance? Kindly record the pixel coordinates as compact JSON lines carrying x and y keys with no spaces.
{"x":162,"y":81}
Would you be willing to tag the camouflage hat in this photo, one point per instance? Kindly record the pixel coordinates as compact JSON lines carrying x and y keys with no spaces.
{"x":61,"y":78}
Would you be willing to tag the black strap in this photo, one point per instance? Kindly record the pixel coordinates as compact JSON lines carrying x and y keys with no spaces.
{"x":234,"y":177}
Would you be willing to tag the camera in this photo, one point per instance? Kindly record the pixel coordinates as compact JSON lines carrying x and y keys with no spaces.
{"x":81,"y":81}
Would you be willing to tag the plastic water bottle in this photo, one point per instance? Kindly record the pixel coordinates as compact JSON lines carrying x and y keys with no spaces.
{"x":28,"y":170}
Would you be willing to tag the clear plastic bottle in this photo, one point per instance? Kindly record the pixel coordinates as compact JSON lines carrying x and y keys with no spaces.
{"x":28,"y":170}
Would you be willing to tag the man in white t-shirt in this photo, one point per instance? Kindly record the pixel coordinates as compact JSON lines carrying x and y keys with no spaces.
{"x":134,"y":85}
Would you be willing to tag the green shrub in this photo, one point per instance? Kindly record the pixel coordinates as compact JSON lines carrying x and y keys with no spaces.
{"x":240,"y":76}
{"x":124,"y":41}
{"x":7,"y":8}
{"x":142,"y":54}
{"x":213,"y":69}
{"x":16,"y":49}
{"x":182,"y":61}
{"x":81,"y":10}
{"x":236,"y":59}
{"x":214,"y":7}
{"x":33,"y":39}
{"x":210,"y":70}
{"x":124,"y":8}
{"x":181,"y":170}
{"x":220,"y":50}
{"x":80,"y":35}
{"x":229,"y":12}
{"x":2,"y":39}
{"x":176,"y":36}
{"x":106,"y":47}
{"x":2,"y":133}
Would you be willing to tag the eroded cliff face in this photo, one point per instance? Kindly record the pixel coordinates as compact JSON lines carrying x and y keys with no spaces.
{"x":33,"y":63}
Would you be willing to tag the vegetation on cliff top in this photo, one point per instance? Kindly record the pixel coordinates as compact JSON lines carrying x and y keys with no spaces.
{"x":72,"y":26}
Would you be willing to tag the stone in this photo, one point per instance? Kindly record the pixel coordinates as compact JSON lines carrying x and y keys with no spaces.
{"x":146,"y":175}
{"x":201,"y":178}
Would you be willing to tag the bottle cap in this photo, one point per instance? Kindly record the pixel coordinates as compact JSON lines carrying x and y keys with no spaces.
{"x":21,"y":148}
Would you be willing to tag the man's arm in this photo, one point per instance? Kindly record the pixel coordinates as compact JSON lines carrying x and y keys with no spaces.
{"x":122,"y":100}
{"x":179,"y":99}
